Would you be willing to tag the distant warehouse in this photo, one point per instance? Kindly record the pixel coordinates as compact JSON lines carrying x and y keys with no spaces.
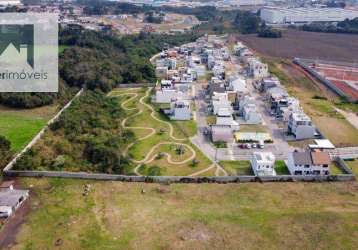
{"x":305,"y":15}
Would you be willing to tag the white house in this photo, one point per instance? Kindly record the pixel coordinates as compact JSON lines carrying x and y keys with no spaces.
{"x":309,"y":163}
{"x":301,"y":126}
{"x":257,"y":69}
{"x":10,"y":199}
{"x":221,"y":101}
{"x":224,"y":117}
{"x":251,"y":115}
{"x":263,"y":163}
{"x":180,"y":110}
{"x":238,"y":85}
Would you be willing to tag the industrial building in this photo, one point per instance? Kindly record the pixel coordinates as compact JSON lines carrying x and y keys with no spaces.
{"x":273,"y":15}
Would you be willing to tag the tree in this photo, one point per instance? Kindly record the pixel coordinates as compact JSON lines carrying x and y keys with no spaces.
{"x":247,"y":22}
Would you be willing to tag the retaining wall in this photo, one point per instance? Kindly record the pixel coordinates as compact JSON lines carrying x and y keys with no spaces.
{"x":135,"y":85}
{"x":180,"y":179}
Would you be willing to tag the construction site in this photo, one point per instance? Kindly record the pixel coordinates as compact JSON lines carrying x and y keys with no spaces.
{"x":340,"y":77}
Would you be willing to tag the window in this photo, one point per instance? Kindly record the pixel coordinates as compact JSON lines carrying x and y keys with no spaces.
{"x":298,"y":172}
{"x":307,"y":166}
{"x":325,"y":165}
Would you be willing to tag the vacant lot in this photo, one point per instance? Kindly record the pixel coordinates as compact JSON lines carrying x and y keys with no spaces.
{"x":118,"y":215}
{"x":336,"y":47}
{"x":20,"y":125}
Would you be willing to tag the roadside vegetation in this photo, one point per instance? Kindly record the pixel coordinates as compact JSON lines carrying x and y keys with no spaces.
{"x":115,"y":215}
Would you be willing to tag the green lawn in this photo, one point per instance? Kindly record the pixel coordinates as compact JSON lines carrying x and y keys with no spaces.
{"x":20,"y":126}
{"x":353,"y":165}
{"x":237,"y":167}
{"x":281,"y":168}
{"x":116,"y":215}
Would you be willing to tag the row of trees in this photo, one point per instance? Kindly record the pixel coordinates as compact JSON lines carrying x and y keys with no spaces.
{"x":347,"y":26}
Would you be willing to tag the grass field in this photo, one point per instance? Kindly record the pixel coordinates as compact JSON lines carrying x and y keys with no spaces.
{"x":20,"y":125}
{"x":117,"y":215}
{"x":332,"y":124}
{"x":147,"y":148}
{"x":335,"y":47}
{"x":353,"y":165}
{"x":237,"y":167}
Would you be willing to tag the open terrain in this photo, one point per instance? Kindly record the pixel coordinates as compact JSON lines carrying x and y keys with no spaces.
{"x":335,"y":47}
{"x":19,"y":126}
{"x":162,"y":147}
{"x":117,"y":215}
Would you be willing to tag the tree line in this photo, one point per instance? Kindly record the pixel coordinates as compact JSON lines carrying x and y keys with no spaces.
{"x":347,"y":27}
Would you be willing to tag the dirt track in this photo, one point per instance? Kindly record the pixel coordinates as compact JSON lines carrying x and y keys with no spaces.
{"x":335,"y":47}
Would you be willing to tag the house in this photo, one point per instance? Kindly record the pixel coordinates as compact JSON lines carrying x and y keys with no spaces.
{"x":301,"y":126}
{"x":7,"y":185}
{"x":244,"y":101}
{"x":238,"y":85}
{"x":263,"y":163}
{"x":161,"y":72}
{"x":10,"y":199}
{"x":322,"y":145}
{"x":221,"y":133}
{"x":179,"y":110}
{"x":258,"y":69}
{"x":267,"y":83}
{"x":221,"y":101}
{"x":251,"y":115}
{"x":309,"y":163}
{"x":224,"y":117}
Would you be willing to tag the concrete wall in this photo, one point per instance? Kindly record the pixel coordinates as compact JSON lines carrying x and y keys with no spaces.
{"x":179,"y":179}
{"x":135,"y":85}
{"x":321,"y":79}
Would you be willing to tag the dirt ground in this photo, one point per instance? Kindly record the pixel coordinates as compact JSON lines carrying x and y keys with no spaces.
{"x":312,"y":45}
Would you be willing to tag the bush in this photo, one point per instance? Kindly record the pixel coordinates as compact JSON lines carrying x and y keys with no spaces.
{"x":270,"y":33}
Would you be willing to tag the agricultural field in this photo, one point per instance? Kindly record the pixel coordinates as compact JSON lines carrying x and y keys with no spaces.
{"x":115,"y":215}
{"x":317,"y":101}
{"x":162,"y":146}
{"x":335,"y":47}
{"x":19,"y":126}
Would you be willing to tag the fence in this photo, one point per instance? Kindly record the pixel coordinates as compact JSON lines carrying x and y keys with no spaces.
{"x":181,"y":179}
{"x":135,"y":85}
{"x":326,"y":82}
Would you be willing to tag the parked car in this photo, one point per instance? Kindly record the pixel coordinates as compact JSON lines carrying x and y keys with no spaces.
{"x":248,"y":145}
{"x":254,"y":145}
{"x":261,"y":144}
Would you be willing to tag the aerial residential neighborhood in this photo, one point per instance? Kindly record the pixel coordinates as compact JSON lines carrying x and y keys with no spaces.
{"x":178,"y":124}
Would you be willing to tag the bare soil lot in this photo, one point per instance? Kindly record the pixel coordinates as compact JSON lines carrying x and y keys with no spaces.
{"x":336,"y":47}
